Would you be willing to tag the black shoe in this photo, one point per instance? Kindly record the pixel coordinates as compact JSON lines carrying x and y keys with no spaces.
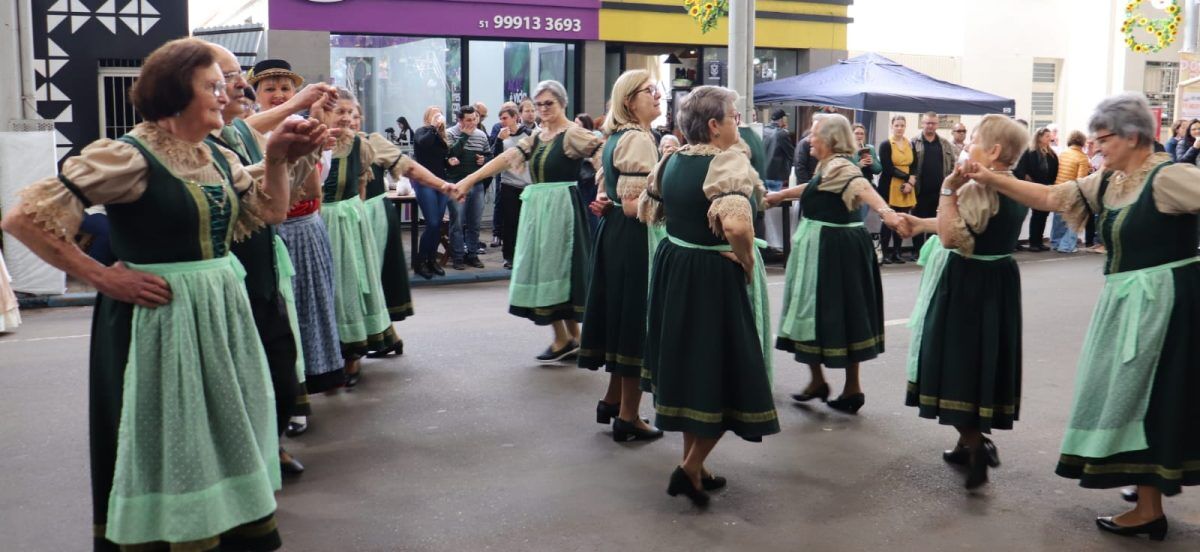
{"x":508,"y":265}
{"x":623,"y":432}
{"x":436,"y":268}
{"x":821,"y":392}
{"x":1156,"y":530}
{"x":897,"y":259}
{"x":977,"y":466}
{"x":397,"y":347}
{"x":961,"y":456}
{"x":290,"y":466}
{"x":1129,"y":495}
{"x":422,"y":269}
{"x":1039,"y":248}
{"x":712,"y":482}
{"x":606,"y":412}
{"x":353,"y":379}
{"x":458,"y":265}
{"x":552,"y":355}
{"x":1020,"y":247}
{"x":681,"y":483}
{"x":887,"y":260}
{"x":474,"y":261}
{"x":295,"y":428}
{"x":496,"y":241}
{"x":848,"y":403}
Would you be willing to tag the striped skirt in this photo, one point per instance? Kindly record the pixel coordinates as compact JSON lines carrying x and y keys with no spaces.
{"x":308,"y":244}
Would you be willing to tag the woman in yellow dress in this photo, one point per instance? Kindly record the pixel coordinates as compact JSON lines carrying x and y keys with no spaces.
{"x":897,"y":184}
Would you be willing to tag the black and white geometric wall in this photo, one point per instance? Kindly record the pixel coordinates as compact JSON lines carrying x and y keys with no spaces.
{"x":73,"y":39}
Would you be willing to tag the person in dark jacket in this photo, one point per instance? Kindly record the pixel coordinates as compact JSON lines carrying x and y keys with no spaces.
{"x":934,"y":160}
{"x":777,"y":141}
{"x":430,"y":149}
{"x":803,"y":161}
{"x":1041,"y":166}
{"x":1187,"y":148}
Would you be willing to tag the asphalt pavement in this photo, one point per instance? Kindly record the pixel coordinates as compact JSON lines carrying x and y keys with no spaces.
{"x":466,"y":443}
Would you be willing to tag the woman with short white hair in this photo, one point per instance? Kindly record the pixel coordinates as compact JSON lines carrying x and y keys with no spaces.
{"x":833,"y":258}
{"x":553,"y":252}
{"x":1134,"y":419}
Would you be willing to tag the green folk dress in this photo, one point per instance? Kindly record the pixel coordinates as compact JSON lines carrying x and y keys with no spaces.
{"x":833,"y":295}
{"x":266,"y":271}
{"x":385,"y":222}
{"x":552,"y":258}
{"x":964,"y":363}
{"x":1135,"y":411}
{"x":614,"y":324}
{"x":359,"y":304}
{"x":704,"y":351}
{"x":182,"y":429}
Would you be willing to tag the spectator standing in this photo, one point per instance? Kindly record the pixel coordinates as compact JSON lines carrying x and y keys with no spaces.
{"x":404,"y":132}
{"x":777,"y":140}
{"x":897,"y":183}
{"x":958,"y":139}
{"x":1186,"y":148}
{"x":667,"y":145}
{"x":497,"y":146}
{"x":1178,"y":131}
{"x":1093,"y":240}
{"x":933,"y":161}
{"x":803,"y":161}
{"x":512,"y":181}
{"x":1073,"y":164}
{"x":431,"y":149}
{"x":469,"y":150}
{"x":867,"y":158}
{"x":528,"y":115}
{"x":1041,"y":167}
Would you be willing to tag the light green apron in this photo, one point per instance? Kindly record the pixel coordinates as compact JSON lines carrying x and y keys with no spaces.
{"x":757,"y":292}
{"x":197,"y":451}
{"x":358,"y":294}
{"x":541,"y":273}
{"x":286,"y":271}
{"x":934,"y":258}
{"x":799,"y":320}
{"x":1118,"y":362}
{"x":376,"y":208}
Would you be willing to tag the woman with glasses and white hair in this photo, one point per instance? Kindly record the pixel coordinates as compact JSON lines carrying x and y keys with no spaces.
{"x":614,"y":328}
{"x":707,"y":349}
{"x":552,"y":257}
{"x":833,"y":258}
{"x":1134,"y":418}
{"x":184,"y":448}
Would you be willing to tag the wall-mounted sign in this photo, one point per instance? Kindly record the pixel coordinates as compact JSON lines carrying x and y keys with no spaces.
{"x":529,"y":19}
{"x":714,"y":73}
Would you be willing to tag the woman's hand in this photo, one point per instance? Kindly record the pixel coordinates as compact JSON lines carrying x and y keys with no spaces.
{"x":131,"y":286}
{"x":452,"y":161}
{"x":906,"y":188}
{"x":979,"y":173}
{"x":458,"y":192}
{"x":774,"y":198}
{"x":909,"y":227}
{"x":294,"y":139}
{"x":894,"y":221}
{"x":957,"y":178}
{"x":600,"y":206}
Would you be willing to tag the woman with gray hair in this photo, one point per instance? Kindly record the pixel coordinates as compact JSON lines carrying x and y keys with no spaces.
{"x":833,"y":258}
{"x":707,"y":350}
{"x":1134,"y":416}
{"x":552,"y":256}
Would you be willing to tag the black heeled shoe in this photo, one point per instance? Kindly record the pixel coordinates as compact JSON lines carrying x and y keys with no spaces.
{"x":961,"y":456}
{"x":353,"y":379}
{"x":849,"y":404}
{"x":1156,"y":530}
{"x":681,"y":483}
{"x":624,"y":432}
{"x":712,"y":482}
{"x":421,"y":268}
{"x":397,"y":347}
{"x":977,"y":467}
{"x":436,"y":268}
{"x":821,"y":392}
{"x":295,"y":427}
{"x":291,"y":466}
{"x":606,"y":412}
{"x":1129,"y":495}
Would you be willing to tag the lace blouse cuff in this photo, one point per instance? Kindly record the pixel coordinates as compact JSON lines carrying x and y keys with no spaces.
{"x":850,"y":196}
{"x":728,"y":207}
{"x":629,"y":186}
{"x":53,"y":206}
{"x":961,"y":237}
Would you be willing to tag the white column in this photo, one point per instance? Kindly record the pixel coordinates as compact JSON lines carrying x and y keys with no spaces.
{"x":741,"y":52}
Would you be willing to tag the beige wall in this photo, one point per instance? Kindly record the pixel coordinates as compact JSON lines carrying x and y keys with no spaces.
{"x":307,"y":51}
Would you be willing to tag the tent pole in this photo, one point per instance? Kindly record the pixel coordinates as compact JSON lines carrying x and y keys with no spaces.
{"x":741,"y":53}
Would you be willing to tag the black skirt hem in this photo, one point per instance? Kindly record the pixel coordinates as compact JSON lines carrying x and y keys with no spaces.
{"x":1094,"y":473}
{"x":613,"y":363}
{"x":324,"y":382}
{"x":809,"y":352}
{"x":749,"y":431}
{"x":261,"y":535}
{"x":374,"y":342}
{"x":544,"y":316}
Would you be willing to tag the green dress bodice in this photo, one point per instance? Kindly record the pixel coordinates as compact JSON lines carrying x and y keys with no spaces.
{"x":1139,"y":236}
{"x":342,"y":182}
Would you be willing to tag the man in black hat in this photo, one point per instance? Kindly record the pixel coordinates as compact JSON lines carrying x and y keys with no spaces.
{"x":777,"y":140}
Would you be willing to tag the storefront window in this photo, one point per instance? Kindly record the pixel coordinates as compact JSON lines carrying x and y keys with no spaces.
{"x":394,"y":76}
{"x":499,"y":72}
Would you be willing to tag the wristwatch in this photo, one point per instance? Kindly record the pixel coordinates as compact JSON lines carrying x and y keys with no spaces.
{"x":949,"y":192}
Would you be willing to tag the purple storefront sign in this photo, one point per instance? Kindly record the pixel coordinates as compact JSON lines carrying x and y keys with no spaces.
{"x":530,"y":19}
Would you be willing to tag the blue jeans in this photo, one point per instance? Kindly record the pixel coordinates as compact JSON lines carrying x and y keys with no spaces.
{"x":432,"y":204}
{"x":1062,"y":238}
{"x":773,"y":185}
{"x":496,"y":215}
{"x":464,"y":224}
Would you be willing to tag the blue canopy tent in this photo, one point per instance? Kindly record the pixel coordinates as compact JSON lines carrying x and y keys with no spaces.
{"x":871,"y":82}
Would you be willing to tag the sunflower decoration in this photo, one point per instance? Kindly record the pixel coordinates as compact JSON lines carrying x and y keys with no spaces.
{"x":706,"y":12}
{"x":1162,"y":30}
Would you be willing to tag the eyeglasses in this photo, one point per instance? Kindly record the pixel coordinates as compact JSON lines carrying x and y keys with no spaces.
{"x":217,"y":88}
{"x":960,"y":132}
{"x":546,"y":104}
{"x":230,"y":75}
{"x":1099,"y":140}
{"x":652,"y":90}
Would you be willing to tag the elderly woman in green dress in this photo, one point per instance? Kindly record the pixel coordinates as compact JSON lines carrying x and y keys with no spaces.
{"x":833,"y":297}
{"x":1134,"y":417}
{"x":707,"y":354}
{"x":614,"y":328}
{"x":964,"y":357}
{"x":553,"y":253}
{"x":182,"y":426}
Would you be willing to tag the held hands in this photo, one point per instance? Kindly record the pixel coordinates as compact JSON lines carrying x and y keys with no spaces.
{"x":294,"y":139}
{"x":909,"y":226}
{"x":774,"y":198}
{"x":140,"y":288}
{"x":458,"y":192}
